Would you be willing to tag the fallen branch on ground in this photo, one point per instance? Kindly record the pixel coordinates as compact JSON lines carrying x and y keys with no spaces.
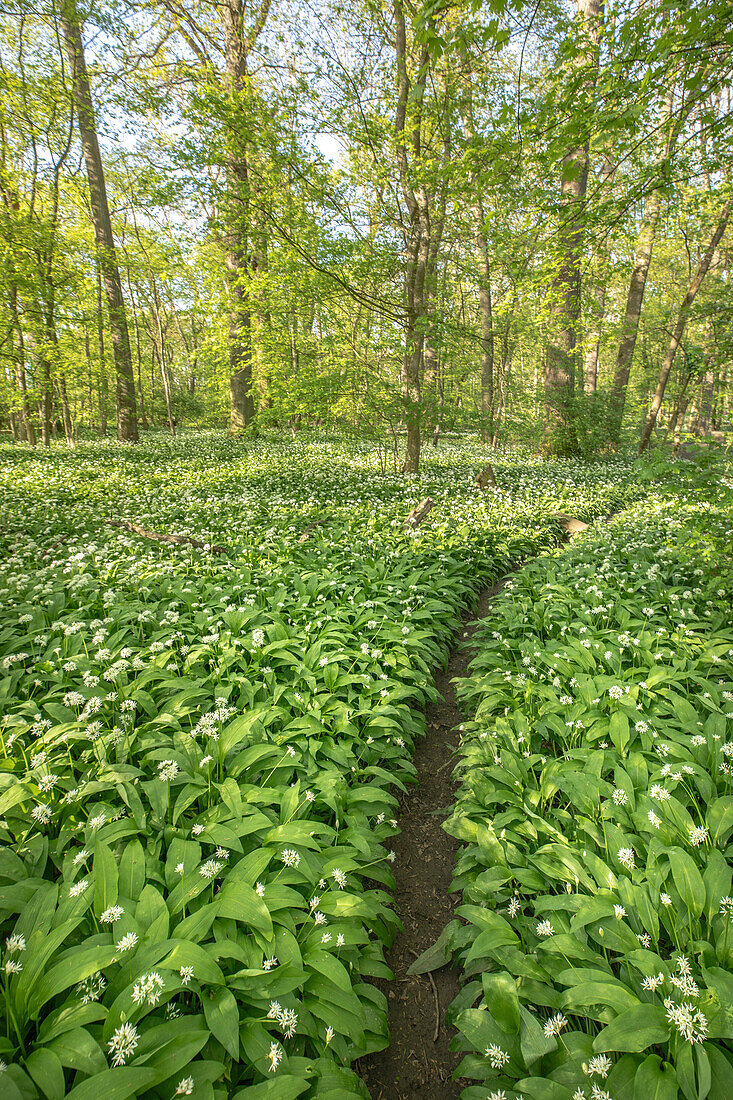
{"x":176,"y":540}
{"x":417,"y":515}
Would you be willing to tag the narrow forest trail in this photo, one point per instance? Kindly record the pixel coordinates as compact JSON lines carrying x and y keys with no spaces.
{"x":416,"y":1066}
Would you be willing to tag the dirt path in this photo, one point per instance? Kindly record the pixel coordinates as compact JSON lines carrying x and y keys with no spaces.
{"x":414,"y":1066}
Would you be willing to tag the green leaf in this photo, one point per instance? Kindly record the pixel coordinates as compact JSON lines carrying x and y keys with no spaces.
{"x":719,"y":818}
{"x":279,"y":1088}
{"x":634,"y":1030}
{"x":46,"y":1070}
{"x":74,"y":968}
{"x":687,"y":879}
{"x":500,"y":991}
{"x":114,"y":1084}
{"x":240,"y":902}
{"x":105,"y":878}
{"x":655,"y":1080}
{"x":222,"y":1017}
{"x":132,"y":870}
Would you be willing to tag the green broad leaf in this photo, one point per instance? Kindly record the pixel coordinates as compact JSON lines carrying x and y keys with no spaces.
{"x":105,"y":878}
{"x":131,"y":880}
{"x":634,"y":1030}
{"x":279,"y":1088}
{"x":47,"y":1072}
{"x":75,"y":968}
{"x":499,"y":935}
{"x":172,"y":1056}
{"x":539,"y":1088}
{"x":533,"y":1042}
{"x":602,"y":993}
{"x":41,"y":947}
{"x":721,"y":1072}
{"x":68,"y":1017}
{"x":481,"y":1030}
{"x":619,"y":731}
{"x":655,"y":1080}
{"x":438,"y":955}
{"x":187,"y":953}
{"x":240,"y":902}
{"x":79,"y":1051}
{"x":330,"y":967}
{"x":222,"y":1017}
{"x":687,"y":879}
{"x":114,"y":1084}
{"x":719,"y":818}
{"x":500,"y":991}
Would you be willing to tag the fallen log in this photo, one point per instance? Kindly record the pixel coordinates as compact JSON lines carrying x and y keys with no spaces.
{"x":156,"y":536}
{"x":569,"y":524}
{"x":417,"y":515}
{"x":486,"y":477}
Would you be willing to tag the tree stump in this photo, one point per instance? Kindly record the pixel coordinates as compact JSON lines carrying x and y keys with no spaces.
{"x":417,"y":515}
{"x":486,"y":477}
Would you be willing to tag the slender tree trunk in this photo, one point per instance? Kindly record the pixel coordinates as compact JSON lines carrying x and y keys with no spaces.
{"x":595,"y":328}
{"x":28,"y":428}
{"x":125,"y":390}
{"x":237,"y":213}
{"x":680,"y":325}
{"x":140,"y":391}
{"x":102,"y":389}
{"x":88,"y":352}
{"x":562,"y":364}
{"x":65,"y":410}
{"x":632,"y":314}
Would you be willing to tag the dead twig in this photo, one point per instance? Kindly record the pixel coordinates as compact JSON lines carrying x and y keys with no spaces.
{"x":156,"y":536}
{"x":434,"y":988}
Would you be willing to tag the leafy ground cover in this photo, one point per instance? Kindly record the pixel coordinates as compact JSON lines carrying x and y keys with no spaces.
{"x":595,"y":807}
{"x":200,"y":752}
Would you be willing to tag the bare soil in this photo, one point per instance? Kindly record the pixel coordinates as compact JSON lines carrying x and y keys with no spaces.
{"x":416,"y":1065}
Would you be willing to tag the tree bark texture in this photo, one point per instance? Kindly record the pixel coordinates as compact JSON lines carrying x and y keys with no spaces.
{"x":71,"y":26}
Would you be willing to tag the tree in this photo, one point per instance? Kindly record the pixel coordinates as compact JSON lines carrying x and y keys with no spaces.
{"x":127,"y":430}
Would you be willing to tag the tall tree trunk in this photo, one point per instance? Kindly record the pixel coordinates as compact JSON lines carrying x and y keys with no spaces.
{"x":237,"y":217}
{"x":561,"y":364}
{"x":594,"y":329}
{"x":125,"y":389}
{"x":102,"y":390}
{"x":416,"y":232}
{"x":486,"y":320}
{"x":680,"y":325}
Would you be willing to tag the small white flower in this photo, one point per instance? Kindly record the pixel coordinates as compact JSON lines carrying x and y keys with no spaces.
{"x":555,"y":1024}
{"x":185,"y":1087}
{"x":186,"y":973}
{"x":122,"y":1044}
{"x":544,"y":928}
{"x":127,"y":942}
{"x":109,"y":916}
{"x":497,"y":1057}
{"x":627,"y":857}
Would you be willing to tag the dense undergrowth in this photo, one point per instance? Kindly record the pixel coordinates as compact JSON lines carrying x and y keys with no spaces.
{"x":596,"y":813}
{"x":200,"y":752}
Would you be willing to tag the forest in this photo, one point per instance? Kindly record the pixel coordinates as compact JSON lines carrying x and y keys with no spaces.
{"x":366,"y":513}
{"x":400,"y":221}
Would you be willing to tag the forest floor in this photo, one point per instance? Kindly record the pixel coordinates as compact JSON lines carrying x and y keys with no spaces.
{"x":418,"y":1064}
